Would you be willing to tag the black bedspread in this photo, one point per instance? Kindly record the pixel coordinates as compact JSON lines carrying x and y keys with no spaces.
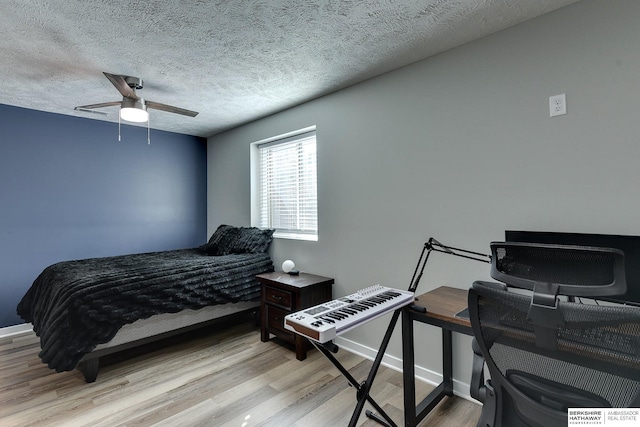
{"x":76,"y":305}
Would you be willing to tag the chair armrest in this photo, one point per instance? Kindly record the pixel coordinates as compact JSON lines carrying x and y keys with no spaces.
{"x":478,"y":389}
{"x":484,"y":392}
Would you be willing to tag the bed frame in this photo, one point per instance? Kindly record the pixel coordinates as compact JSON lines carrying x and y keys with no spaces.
{"x":160,"y":327}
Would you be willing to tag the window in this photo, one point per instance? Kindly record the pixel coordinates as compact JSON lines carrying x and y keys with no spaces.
{"x":285,"y":189}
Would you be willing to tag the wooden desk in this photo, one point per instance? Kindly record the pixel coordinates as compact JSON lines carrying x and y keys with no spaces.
{"x":442,"y":305}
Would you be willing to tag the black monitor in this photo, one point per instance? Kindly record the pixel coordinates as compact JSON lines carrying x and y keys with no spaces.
{"x":630,"y":245}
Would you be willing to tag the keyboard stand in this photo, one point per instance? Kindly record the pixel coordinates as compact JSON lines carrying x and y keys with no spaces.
{"x":363,"y":389}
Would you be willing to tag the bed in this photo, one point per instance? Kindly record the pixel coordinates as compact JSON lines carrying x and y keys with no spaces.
{"x":84,"y":309}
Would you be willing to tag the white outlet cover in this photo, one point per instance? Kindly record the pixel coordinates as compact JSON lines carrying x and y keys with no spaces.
{"x":557,"y":105}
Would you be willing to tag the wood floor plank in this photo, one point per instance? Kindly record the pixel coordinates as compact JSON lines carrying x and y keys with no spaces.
{"x":217,"y":377}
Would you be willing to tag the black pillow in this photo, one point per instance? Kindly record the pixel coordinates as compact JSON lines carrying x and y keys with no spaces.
{"x":238,"y":240}
{"x":252,"y":240}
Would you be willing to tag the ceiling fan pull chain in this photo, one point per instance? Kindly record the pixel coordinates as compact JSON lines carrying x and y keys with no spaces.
{"x":119,"y":128}
{"x":148,"y":132}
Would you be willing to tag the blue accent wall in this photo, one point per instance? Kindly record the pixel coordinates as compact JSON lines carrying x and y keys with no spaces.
{"x":70,"y":190}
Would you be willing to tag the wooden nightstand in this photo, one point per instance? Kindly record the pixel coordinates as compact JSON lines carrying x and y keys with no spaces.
{"x":282,"y":294}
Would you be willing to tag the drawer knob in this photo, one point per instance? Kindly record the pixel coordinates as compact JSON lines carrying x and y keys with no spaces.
{"x":276,"y":297}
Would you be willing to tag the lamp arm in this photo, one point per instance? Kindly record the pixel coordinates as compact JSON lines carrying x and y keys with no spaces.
{"x":434,"y":245}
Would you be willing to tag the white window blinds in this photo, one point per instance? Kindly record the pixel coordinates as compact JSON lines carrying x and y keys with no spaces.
{"x":287,"y":194}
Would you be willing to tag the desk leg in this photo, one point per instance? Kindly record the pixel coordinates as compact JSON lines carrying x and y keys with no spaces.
{"x":408,"y":371}
{"x":414,"y":414}
{"x":447,"y":362}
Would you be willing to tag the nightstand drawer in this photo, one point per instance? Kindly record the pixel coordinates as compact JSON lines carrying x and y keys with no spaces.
{"x":278,"y":296}
{"x":275,"y":318}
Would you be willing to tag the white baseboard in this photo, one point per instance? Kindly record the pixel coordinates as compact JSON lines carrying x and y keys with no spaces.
{"x":460,"y":389}
{"x":9,"y":331}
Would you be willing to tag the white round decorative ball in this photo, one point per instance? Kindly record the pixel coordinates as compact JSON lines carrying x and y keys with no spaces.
{"x":288,"y":265}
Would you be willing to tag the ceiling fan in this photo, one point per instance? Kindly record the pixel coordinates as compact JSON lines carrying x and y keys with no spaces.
{"x":132,"y":107}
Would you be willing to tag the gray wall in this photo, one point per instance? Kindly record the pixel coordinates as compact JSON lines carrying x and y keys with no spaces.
{"x":461,"y":147}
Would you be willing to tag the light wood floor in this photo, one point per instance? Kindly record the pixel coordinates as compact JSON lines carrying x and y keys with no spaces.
{"x":218,"y":378}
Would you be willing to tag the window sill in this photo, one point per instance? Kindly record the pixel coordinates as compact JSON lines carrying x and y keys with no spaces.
{"x":294,"y":236}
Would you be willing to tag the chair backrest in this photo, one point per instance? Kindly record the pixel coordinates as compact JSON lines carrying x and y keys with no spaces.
{"x":544,"y":354}
{"x":566,"y":270}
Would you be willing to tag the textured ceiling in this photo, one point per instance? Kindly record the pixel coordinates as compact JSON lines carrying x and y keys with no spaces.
{"x":233,"y":61}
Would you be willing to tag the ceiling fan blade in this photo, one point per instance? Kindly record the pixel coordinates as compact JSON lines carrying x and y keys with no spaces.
{"x":121,"y":84}
{"x":170,"y":109}
{"x":92,"y":106}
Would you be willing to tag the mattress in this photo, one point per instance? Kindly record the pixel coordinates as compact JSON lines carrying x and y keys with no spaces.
{"x":161,"y":323}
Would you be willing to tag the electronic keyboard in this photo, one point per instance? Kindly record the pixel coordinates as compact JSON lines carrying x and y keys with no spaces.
{"x":325,"y":321}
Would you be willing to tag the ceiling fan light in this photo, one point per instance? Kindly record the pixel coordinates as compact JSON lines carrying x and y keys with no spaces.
{"x":134,"y":111}
{"x":134,"y":115}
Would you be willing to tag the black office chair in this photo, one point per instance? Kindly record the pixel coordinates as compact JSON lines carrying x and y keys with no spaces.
{"x":547,"y":353}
